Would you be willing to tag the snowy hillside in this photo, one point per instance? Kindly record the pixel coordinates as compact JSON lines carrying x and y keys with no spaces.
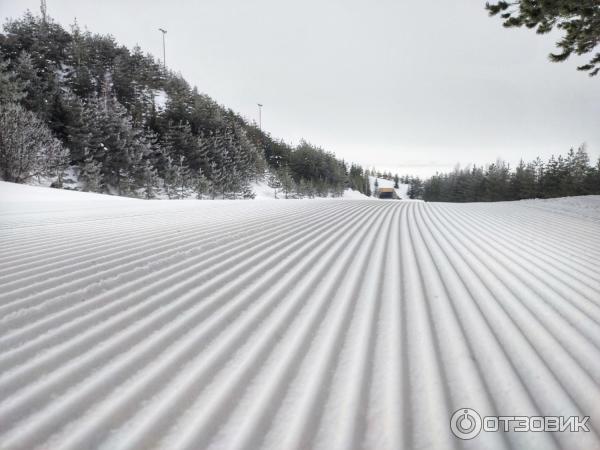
{"x":327,"y":324}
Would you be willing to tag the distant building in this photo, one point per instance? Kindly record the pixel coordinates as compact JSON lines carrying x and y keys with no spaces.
{"x":387,"y":192}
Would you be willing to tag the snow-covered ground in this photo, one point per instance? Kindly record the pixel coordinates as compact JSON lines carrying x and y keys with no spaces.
{"x":263,"y":192}
{"x":329,"y":324}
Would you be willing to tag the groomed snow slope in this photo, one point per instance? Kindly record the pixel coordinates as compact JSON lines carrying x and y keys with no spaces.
{"x":293,"y":324}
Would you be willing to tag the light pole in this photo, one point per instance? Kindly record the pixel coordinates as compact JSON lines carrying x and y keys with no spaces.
{"x":164,"y":48}
{"x":259,"y":116}
{"x":44,"y":10}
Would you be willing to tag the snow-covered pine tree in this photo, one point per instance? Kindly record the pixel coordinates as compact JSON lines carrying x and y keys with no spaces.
{"x":321,"y":188}
{"x":149,"y":180}
{"x":179,"y":141}
{"x":307,"y":188}
{"x":216,"y":180}
{"x":287,"y":182}
{"x":273,"y":181}
{"x":203,"y":146}
{"x":12,"y":88}
{"x":522,"y":183}
{"x":578,"y":167}
{"x":27,"y":146}
{"x":201,"y":184}
{"x":217,"y":157}
{"x":182,"y":176}
{"x":338,"y":190}
{"x":298,"y":190}
{"x":234,"y":190}
{"x":169,"y":177}
{"x":55,"y":161}
{"x":79,"y":79}
{"x":90,"y":174}
{"x":246,"y":190}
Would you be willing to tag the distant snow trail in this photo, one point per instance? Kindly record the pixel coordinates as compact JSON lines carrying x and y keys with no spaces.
{"x":325,"y":324}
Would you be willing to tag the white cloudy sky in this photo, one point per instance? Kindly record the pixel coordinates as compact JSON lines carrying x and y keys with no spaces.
{"x":410,"y":86}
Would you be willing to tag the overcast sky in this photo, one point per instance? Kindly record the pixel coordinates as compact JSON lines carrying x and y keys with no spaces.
{"x":413,"y":87}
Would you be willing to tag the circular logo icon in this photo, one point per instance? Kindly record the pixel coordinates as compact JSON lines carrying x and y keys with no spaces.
{"x":465,"y":423}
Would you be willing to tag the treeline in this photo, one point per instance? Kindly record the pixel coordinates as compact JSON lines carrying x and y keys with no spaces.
{"x":560,"y":176}
{"x":125,"y":125}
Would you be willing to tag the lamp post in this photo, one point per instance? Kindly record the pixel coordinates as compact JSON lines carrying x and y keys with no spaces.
{"x":44,"y":10}
{"x":164,"y":48}
{"x":259,"y":116}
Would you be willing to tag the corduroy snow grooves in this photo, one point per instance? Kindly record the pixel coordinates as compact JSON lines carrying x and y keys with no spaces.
{"x":129,"y":324}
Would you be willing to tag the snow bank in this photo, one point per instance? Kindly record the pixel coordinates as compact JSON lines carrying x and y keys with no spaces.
{"x":264,"y":192}
{"x":351,"y":194}
{"x":19,"y":193}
